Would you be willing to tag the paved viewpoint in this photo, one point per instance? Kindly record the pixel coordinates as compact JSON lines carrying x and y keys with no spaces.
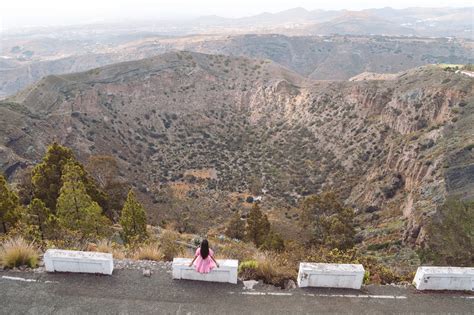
{"x":128,"y":291}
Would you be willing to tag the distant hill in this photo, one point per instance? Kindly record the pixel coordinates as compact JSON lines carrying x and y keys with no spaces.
{"x":435,"y":22}
{"x":360,"y":24}
{"x":324,"y":58}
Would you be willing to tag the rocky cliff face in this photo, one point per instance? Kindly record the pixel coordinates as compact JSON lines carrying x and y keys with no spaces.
{"x":394,"y":149}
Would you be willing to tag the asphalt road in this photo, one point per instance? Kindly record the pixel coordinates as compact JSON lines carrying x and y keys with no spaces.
{"x":129,"y":292}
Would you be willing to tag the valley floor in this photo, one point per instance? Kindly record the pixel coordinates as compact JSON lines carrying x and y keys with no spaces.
{"x":127,"y":291}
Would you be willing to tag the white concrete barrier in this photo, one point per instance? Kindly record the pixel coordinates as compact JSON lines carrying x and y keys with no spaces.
{"x":227,"y":271}
{"x":444,"y":278}
{"x":330,"y":275}
{"x":77,"y":261}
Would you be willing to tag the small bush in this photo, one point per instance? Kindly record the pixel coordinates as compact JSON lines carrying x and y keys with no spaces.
{"x":450,"y":238}
{"x":249,"y":264}
{"x":378,"y":246}
{"x":17,"y":252}
{"x":236,"y":227}
{"x":366,"y":277}
{"x":273,"y":241}
{"x":168,"y":245}
{"x":330,"y":223}
{"x":149,"y":252}
{"x":469,"y":147}
{"x":383,"y":275}
{"x":248,"y":269}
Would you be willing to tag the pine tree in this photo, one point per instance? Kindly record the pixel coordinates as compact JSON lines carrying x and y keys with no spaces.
{"x":106,"y":172}
{"x":75,"y":209}
{"x":9,"y":202}
{"x":24,"y":227}
{"x":39,"y":216}
{"x":47,"y":177}
{"x":258,"y":226}
{"x":24,"y":185}
{"x":236,"y":227}
{"x":341,"y":232}
{"x":133,"y":219}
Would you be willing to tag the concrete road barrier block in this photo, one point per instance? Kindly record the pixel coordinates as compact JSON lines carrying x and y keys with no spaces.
{"x":330,"y":275}
{"x":57,"y":260}
{"x":227,"y":271}
{"x":444,"y":278}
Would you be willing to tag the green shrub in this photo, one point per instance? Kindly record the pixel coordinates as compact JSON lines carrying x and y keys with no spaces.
{"x":328,"y":220}
{"x":168,"y":245}
{"x":450,"y":238}
{"x":386,"y":276}
{"x":274,"y":242}
{"x":248,"y":265}
{"x":366,"y":277}
{"x":378,"y":246}
{"x":236,"y":227}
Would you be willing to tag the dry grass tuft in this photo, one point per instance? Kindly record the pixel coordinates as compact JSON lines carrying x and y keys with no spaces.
{"x":106,"y":246}
{"x":241,"y":251}
{"x":149,"y":252}
{"x":268,"y":268}
{"x":17,"y":252}
{"x":274,"y":271}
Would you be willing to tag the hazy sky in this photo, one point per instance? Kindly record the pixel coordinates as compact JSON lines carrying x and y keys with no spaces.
{"x":19,"y":13}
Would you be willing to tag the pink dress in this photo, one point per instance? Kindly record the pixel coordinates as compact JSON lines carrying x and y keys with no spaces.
{"x":204,"y":265}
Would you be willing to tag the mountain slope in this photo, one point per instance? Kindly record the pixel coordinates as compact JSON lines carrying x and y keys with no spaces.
{"x":395,"y":147}
{"x":324,"y":58}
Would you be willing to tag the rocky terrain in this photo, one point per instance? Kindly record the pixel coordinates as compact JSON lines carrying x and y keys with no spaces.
{"x":196,"y":134}
{"x":317,"y":57}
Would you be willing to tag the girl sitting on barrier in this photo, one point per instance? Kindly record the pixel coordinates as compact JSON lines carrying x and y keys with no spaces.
{"x":204,"y":258}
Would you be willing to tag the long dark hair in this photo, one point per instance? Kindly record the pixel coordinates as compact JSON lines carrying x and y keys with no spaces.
{"x":204,"y":249}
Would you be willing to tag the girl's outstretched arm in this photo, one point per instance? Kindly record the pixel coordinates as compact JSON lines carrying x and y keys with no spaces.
{"x":192,"y":262}
{"x":217,"y":264}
